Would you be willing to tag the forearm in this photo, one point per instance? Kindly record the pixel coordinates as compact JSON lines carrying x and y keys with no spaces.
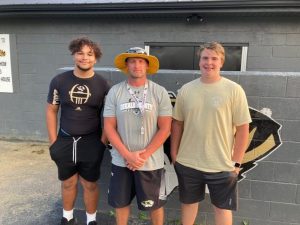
{"x":159,"y":138}
{"x":163,"y":132}
{"x":114,"y":138}
{"x":51,"y":121}
{"x":176,"y":134}
{"x":104,"y":138}
{"x":240,"y":143}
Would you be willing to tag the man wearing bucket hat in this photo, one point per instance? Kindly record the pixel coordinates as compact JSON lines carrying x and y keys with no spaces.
{"x":137,"y":121}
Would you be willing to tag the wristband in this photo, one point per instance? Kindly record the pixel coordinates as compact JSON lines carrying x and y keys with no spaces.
{"x":237,"y":165}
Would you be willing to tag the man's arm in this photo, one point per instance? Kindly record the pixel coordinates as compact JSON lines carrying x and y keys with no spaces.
{"x":51,"y":121}
{"x":110,"y":130}
{"x":163,"y":132}
{"x":176,"y":134}
{"x":240,"y":143}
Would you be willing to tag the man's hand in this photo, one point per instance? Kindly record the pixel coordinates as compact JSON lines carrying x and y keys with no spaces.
{"x":134,"y":160}
{"x":237,"y":170}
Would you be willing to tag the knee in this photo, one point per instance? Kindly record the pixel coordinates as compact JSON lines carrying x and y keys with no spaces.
{"x":89,"y":186}
{"x":70,"y":183}
{"x":219,"y":211}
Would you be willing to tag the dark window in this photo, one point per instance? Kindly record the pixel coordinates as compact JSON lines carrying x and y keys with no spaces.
{"x":185,"y":56}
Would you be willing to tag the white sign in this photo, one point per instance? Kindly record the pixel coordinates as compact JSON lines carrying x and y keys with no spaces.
{"x":5,"y":65}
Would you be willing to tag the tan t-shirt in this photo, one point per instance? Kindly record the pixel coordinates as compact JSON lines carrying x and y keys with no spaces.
{"x":210,"y":113}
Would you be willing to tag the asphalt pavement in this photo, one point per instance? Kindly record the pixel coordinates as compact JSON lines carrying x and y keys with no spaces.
{"x":30,"y":190}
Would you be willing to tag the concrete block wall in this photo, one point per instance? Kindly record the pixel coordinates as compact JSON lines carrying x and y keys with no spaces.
{"x":270,"y":194}
{"x":40,"y":48}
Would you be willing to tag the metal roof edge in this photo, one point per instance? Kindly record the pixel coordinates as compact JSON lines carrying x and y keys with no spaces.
{"x":230,"y":7}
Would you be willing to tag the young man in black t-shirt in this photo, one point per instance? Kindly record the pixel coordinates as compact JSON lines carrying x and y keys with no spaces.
{"x":77,"y":148}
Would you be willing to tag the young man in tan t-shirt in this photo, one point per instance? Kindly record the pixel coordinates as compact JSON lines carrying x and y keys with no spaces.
{"x":209,"y":138}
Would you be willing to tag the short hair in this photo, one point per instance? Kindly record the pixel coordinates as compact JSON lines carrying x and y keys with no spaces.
{"x":77,"y":44}
{"x":215,"y":46}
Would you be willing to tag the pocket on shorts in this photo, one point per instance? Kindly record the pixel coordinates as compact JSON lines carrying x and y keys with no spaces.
{"x":52,"y":145}
{"x":52,"y":148}
{"x":102,"y":145}
{"x":60,"y":148}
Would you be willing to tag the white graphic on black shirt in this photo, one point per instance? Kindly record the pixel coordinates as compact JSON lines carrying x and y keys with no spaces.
{"x":79,"y":94}
{"x":55,"y":100}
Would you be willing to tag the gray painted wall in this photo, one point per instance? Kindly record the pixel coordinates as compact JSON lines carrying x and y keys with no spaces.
{"x":41,"y":49}
{"x":270,"y":195}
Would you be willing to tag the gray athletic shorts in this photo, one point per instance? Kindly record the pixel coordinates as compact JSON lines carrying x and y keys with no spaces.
{"x":148,"y":187}
{"x":222,"y":186}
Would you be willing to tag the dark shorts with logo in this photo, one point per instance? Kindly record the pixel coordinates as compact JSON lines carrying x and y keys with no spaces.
{"x":82,"y":155}
{"x":148,"y":187}
{"x":222,"y":186}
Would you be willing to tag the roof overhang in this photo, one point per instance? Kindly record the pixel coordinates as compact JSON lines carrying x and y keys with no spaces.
{"x":158,"y":8}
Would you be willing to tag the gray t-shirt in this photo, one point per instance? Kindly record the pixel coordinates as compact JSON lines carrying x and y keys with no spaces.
{"x":120,"y":104}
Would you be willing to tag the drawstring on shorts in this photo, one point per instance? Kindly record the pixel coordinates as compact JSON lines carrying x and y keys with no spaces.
{"x":75,"y":149}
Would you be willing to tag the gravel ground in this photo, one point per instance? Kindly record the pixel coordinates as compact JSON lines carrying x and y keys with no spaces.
{"x":29,"y":189}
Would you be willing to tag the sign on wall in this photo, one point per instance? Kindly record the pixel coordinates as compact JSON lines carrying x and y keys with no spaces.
{"x":5,"y":65}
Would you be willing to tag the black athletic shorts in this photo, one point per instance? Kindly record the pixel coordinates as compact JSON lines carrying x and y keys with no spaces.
{"x":82,"y":155}
{"x":222,"y":186}
{"x":148,"y":187}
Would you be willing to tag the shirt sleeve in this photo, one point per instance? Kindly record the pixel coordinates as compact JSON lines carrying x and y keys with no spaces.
{"x":107,"y":87}
{"x":110,"y":104}
{"x":241,"y":113}
{"x":165,"y":106}
{"x":53,"y":94}
{"x":178,"y":108}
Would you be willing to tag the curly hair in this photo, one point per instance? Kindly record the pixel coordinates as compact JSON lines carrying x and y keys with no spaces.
{"x":77,"y":44}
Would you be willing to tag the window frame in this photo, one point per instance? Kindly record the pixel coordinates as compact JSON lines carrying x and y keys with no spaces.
{"x":244,"y":49}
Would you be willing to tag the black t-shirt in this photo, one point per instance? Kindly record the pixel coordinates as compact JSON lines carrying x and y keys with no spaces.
{"x":81,"y":101}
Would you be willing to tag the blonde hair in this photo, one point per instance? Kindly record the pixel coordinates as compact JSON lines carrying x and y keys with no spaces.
{"x":215,"y":46}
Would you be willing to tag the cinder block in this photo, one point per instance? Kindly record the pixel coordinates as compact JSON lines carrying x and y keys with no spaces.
{"x":273,"y":64}
{"x":298,"y":195}
{"x":253,"y":101}
{"x":274,"y":39}
{"x":253,"y":209}
{"x":286,"y":51}
{"x":293,"y":84}
{"x":244,"y":189}
{"x":27,"y":68}
{"x":282,"y":108}
{"x":259,"y":51}
{"x":288,"y":213}
{"x":288,"y":173}
{"x":264,"y":171}
{"x":293,"y":39}
{"x":173,"y":80}
{"x":269,"y":86}
{"x":274,"y":192}
{"x":288,"y":152}
{"x":235,"y":78}
{"x":116,"y":77}
{"x":289,"y":130}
